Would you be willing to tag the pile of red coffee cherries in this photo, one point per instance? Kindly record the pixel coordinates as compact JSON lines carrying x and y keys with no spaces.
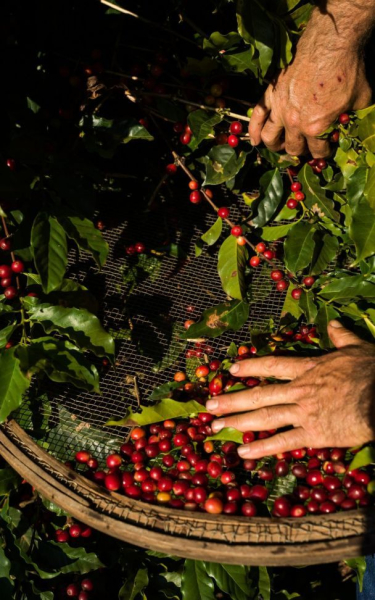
{"x":176,"y":464}
{"x":80,"y":590}
{"x":74,"y":531}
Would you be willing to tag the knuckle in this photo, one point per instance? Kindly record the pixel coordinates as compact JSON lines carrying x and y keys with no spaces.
{"x":292,"y":119}
{"x":267,"y":138}
{"x":259,"y":111}
{"x":313,"y":129}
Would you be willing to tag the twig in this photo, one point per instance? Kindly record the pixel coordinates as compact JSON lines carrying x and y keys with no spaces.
{"x":137,"y":391}
{"x":290,"y":176}
{"x":148,"y":22}
{"x":203,"y":106}
{"x":154,"y":193}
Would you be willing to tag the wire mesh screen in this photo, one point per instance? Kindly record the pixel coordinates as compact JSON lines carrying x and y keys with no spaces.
{"x":149,"y":309}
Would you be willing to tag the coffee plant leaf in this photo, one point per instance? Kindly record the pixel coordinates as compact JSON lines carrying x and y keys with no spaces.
{"x":9,"y":480}
{"x":355,"y":186}
{"x":316,"y":199}
{"x":223,"y":164}
{"x":217,"y":319}
{"x":202,"y":67}
{"x":359,"y":566}
{"x":7,"y":585}
{"x":202,"y":124}
{"x":362,"y":230}
{"x":290,"y":306}
{"x":308,"y":306}
{"x":86,"y":236}
{"x":343,"y":289}
{"x":325,"y":251}
{"x":299,"y":246}
{"x":103,"y":136}
{"x":13,"y":383}
{"x":166,"y":389}
{"x":59,"y":558}
{"x":49,"y":247}
{"x":165,"y":409}
{"x":264,"y":583}
{"x":232,"y":580}
{"x":231,"y":266}
{"x":271,"y":184}
{"x":256,"y":27}
{"x":348,"y":161}
{"x":79,"y":325}
{"x":300,"y":16}
{"x":280,"y":486}
{"x":61,"y":361}
{"x":284,"y":44}
{"x":364,"y":457}
{"x":212,"y":235}
{"x":134,"y":586}
{"x":196,"y":583}
{"x":269,"y":234}
{"x":219,"y":41}
{"x":369,"y":188}
{"x":228,"y":434}
{"x":281,"y":161}
{"x":6,"y":333}
{"x":326,"y":313}
{"x":366,"y":131}
{"x":238,"y":62}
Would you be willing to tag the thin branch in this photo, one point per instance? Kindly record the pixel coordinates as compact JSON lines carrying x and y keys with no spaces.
{"x":203,"y":106}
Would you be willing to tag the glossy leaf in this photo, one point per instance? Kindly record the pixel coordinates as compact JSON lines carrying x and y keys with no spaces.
{"x":231,"y":579}
{"x":326,"y":313}
{"x":228,"y":434}
{"x":264,"y":583}
{"x":290,"y":305}
{"x":345,"y":288}
{"x":269,"y":234}
{"x":223,"y":164}
{"x":212,"y":235}
{"x":359,"y":566}
{"x":218,"y":41}
{"x":133,"y":587}
{"x":363,"y":458}
{"x":13,"y":383}
{"x":202,"y":124}
{"x":231,"y":265}
{"x":79,"y":325}
{"x":362,"y":230}
{"x":165,"y":390}
{"x":356,"y":185}
{"x":196,"y":583}
{"x":366,"y":131}
{"x":256,"y":27}
{"x":299,"y":246}
{"x":48,"y":241}
{"x":63,"y":558}
{"x":326,"y":248}
{"x":238,"y":62}
{"x":86,"y":235}
{"x":217,"y":319}
{"x":165,"y":409}
{"x":316,"y":198}
{"x":9,"y":480}
{"x":6,"y":333}
{"x":307,"y":304}
{"x":271,"y":184}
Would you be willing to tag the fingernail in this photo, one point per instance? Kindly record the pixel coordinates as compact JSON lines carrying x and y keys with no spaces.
{"x":234,"y":368}
{"x":212,"y":404}
{"x":335,"y":324}
{"x":218,"y":425}
{"x":243,"y":451}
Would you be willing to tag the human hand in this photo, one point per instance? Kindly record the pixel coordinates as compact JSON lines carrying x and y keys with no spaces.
{"x":330,"y":400}
{"x":326,"y":78}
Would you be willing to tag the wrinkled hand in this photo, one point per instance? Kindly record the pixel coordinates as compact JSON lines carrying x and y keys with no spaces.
{"x":326,"y":78}
{"x":330,"y":400}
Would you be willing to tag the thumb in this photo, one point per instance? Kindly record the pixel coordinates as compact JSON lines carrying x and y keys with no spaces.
{"x":341,"y":336}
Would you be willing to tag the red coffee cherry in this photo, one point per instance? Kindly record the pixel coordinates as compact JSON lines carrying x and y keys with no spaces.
{"x":236,"y":127}
{"x":75,"y":531}
{"x":185,"y":138}
{"x":171,"y":168}
{"x":5,"y":272}
{"x":5,"y":244}
{"x":17,"y":266}
{"x":72,"y":590}
{"x":223,"y":212}
{"x":296,"y":186}
{"x":236,"y":230}
{"x":249,"y":509}
{"x":282,"y":285}
{"x":10,"y":293}
{"x":308,"y":281}
{"x":233,"y":141}
{"x":196,"y":197}
{"x":344,"y":119}
{"x":292,"y":203}
{"x":254,"y":261}
{"x":296,"y":293}
{"x":214,"y":506}
{"x":261,"y":247}
{"x":299,"y":196}
{"x":193,"y":185}
{"x":277,"y":275}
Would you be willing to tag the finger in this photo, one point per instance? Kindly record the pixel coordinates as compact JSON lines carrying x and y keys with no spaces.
{"x":267,"y":418}
{"x":257,"y":120}
{"x":295,"y":143}
{"x":282,"y":442}
{"x":341,"y":336}
{"x":268,"y":395}
{"x":271,"y":134}
{"x":273,"y":366}
{"x":318,"y":148}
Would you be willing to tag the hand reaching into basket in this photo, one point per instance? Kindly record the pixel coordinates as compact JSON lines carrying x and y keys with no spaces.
{"x":329,"y":401}
{"x":326,"y":78}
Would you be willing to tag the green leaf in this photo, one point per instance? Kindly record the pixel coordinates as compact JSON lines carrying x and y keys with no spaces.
{"x":218,"y":41}
{"x":364,"y":457}
{"x":307,"y":304}
{"x":61,"y":361}
{"x":271,"y":184}
{"x":63,"y":558}
{"x":86,"y":235}
{"x":105,"y":135}
{"x":13,"y":383}
{"x":231,"y":579}
{"x":366,"y":131}
{"x":217,"y":319}
{"x":282,"y":161}
{"x":356,"y":185}
{"x":9,"y":480}
{"x":79,"y":325}
{"x":269,"y":234}
{"x":232,"y":350}
{"x":48,"y":241}
{"x":299,"y":246}
{"x":165,"y":409}
{"x":326,"y":248}
{"x":238,"y":62}
{"x":231,"y":266}
{"x":348,"y":287}
{"x":196,"y":583}
{"x":359,"y":566}
{"x":228,"y":434}
{"x":264,"y":583}
{"x":316,"y":199}
{"x":223,"y":164}
{"x":133,"y":587}
{"x":202,"y":124}
{"x":347,"y":160}
{"x":369,"y":189}
{"x":326,"y":313}
{"x":255,"y":26}
{"x":212,"y":235}
{"x":6,"y":334}
{"x":165,"y":390}
{"x":362,"y":230}
{"x":290,"y":305}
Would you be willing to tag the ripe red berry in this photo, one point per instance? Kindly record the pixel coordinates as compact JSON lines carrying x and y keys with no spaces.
{"x":344,"y":119}
{"x":185,"y":138}
{"x":298,"y":510}
{"x":75,"y":530}
{"x":261,"y":247}
{"x":259,"y":492}
{"x":112,"y":482}
{"x":214,"y":506}
{"x":83,"y":596}
{"x":113,"y":461}
{"x":233,"y":141}
{"x":5,"y":244}
{"x":314,"y":478}
{"x":281,"y":507}
{"x":82,"y":456}
{"x":61,"y":536}
{"x":296,"y":186}
{"x":327,"y":507}
{"x":202,"y":371}
{"x":193,"y":185}
{"x":308,"y":281}
{"x":140,"y":247}
{"x":236,"y":230}
{"x":215,"y":365}
{"x":254,"y":261}
{"x":249,"y":509}
{"x":282,"y":285}
{"x":72,"y":590}
{"x":322,"y":164}
{"x":281,"y":468}
{"x":171,"y":168}
{"x":335,"y":136}
{"x":269,"y":254}
{"x":5,"y":272}
{"x":236,"y":127}
{"x":130,"y":250}
{"x":178,"y":127}
{"x":277,"y":275}
{"x":296,"y":293}
{"x":299,"y":196}
{"x":223,"y":212}
{"x":196,"y":197}
{"x":11,"y":164}
{"x":17,"y":266}
{"x":92,"y":464}
{"x":292,"y":203}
